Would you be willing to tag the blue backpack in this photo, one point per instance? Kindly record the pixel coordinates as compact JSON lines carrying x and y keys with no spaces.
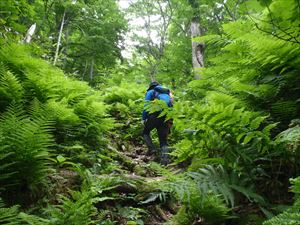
{"x":163,"y":94}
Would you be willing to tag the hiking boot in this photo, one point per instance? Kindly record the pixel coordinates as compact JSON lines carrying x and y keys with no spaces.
{"x":150,"y":145}
{"x":164,"y":157}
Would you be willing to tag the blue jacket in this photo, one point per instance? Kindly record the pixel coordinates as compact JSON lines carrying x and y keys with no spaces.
{"x":159,"y":93}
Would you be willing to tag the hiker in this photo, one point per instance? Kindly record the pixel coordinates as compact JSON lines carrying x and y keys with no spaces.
{"x":151,"y":121}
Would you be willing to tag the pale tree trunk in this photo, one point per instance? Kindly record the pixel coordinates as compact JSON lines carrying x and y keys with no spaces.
{"x":59,"y":38}
{"x":197,"y":48}
{"x":85,"y":69}
{"x":29,"y":34}
{"x":92,"y":71}
{"x":66,"y":47}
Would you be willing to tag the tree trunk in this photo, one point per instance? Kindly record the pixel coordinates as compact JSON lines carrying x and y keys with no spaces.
{"x":85,"y":69}
{"x":197,"y":48}
{"x":59,"y":37}
{"x":66,"y":48}
{"x":92,"y":71}
{"x":30,"y":33}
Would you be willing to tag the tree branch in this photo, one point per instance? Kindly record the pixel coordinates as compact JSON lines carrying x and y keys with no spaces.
{"x":273,"y":33}
{"x":229,"y":12}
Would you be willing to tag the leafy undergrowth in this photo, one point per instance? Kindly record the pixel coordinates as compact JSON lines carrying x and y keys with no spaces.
{"x":65,"y":157}
{"x":71,"y":154}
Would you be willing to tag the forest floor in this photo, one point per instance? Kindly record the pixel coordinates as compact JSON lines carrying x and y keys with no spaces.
{"x":134,"y":198}
{"x":140,"y":167}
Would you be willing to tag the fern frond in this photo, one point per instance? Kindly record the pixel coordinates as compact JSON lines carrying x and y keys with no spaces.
{"x":76,"y":210}
{"x":292,"y":215}
{"x":286,"y":218}
{"x":217,"y":180}
{"x":285,"y":110}
{"x":29,"y":141}
{"x":10,"y":88}
{"x":7,"y":170}
{"x":290,"y":138}
{"x":33,"y":220}
{"x":9,"y":216}
{"x":296,"y":187}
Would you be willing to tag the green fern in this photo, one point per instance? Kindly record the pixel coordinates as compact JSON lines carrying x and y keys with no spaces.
{"x":219,"y":181}
{"x":220,"y":130}
{"x":295,"y":188}
{"x":62,"y":114}
{"x":125,"y":106}
{"x":290,"y":138}
{"x":76,"y":210}
{"x":77,"y":109}
{"x":161,"y":107}
{"x":12,"y":216}
{"x":286,"y":218}
{"x":28,"y":141}
{"x":33,"y":220}
{"x":9,"y":216}
{"x":10,"y":88}
{"x":95,"y":122}
{"x":292,"y":215}
{"x":6,"y":168}
{"x":123,"y":93}
{"x":264,"y":73}
{"x":285,"y":110}
{"x":195,"y":204}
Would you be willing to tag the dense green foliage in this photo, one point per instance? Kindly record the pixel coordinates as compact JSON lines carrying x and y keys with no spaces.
{"x":242,"y":116}
{"x":290,"y":216}
{"x":91,"y":32}
{"x":49,"y":115}
{"x":73,"y":154}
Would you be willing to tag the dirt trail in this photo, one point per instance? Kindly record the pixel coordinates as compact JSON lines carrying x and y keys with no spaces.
{"x":140,"y":169}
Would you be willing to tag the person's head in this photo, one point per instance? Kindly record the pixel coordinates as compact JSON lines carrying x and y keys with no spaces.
{"x":152,"y":85}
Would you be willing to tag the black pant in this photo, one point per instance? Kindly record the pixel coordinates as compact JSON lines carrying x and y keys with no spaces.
{"x":162,"y":127}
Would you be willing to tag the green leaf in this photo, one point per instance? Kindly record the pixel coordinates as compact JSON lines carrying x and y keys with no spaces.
{"x":257,"y":121}
{"x":248,"y":137}
{"x":268,"y":128}
{"x":131,"y":223}
{"x":60,"y":159}
{"x":240,"y":136}
{"x":151,"y":198}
